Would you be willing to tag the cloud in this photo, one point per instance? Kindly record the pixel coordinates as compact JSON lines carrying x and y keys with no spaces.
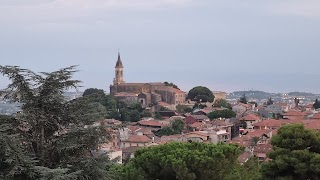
{"x":306,"y":8}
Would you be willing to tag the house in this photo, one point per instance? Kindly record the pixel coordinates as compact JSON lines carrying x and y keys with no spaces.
{"x":241,"y":108}
{"x":200,"y":118}
{"x":128,"y":153}
{"x":261,"y":151}
{"x":190,"y":120}
{"x":151,"y":123}
{"x":250,"y":119}
{"x":197,"y":126}
{"x":270,"y":124}
{"x":139,"y":140}
{"x":293,"y":114}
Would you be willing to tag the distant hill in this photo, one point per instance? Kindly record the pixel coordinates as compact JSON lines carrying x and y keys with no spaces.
{"x":252,"y":94}
{"x":305,"y":94}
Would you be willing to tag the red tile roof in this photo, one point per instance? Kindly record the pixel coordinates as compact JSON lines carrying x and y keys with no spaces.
{"x":151,"y":123}
{"x":190,"y":120}
{"x":262,"y":148}
{"x":139,"y":139}
{"x":196,"y":124}
{"x":250,"y":117}
{"x":316,"y":116}
{"x":133,"y":128}
{"x":293,"y":113}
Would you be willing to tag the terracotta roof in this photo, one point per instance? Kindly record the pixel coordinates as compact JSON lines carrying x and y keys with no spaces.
{"x":200,"y":117}
{"x":196,"y":124}
{"x":190,"y":120}
{"x":257,"y":133}
{"x":221,"y":123}
{"x":293,"y":113}
{"x":152,"y":123}
{"x":201,"y":133}
{"x":271,"y":123}
{"x":250,"y":117}
{"x":133,"y":128}
{"x":248,"y":106}
{"x":316,"y":116}
{"x":314,"y":124}
{"x":262,"y":148}
{"x":244,"y":157}
{"x":139,"y":139}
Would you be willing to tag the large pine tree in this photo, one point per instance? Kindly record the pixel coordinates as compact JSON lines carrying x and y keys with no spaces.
{"x":48,"y":139}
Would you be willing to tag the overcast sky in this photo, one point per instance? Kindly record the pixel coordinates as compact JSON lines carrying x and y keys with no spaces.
{"x":226,"y":45}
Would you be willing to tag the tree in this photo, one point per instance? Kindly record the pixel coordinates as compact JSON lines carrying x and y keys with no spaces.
{"x":175,"y":128}
{"x":295,"y":154}
{"x":227,"y":113}
{"x":201,"y":94}
{"x":171,"y":84}
{"x":269,"y":102}
{"x":178,"y":125}
{"x":243,"y":99}
{"x":316,"y":104}
{"x":187,"y":161}
{"x":158,"y":115}
{"x":254,"y":141}
{"x":183,"y":109}
{"x":92,"y":91}
{"x":52,"y":132}
{"x":222,"y":103}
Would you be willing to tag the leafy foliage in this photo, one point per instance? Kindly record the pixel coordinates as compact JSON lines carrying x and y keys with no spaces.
{"x":187,"y":161}
{"x":269,"y":102}
{"x":226,"y":113}
{"x":171,"y":84}
{"x":295,"y":154}
{"x":243,"y":99}
{"x":175,"y":128}
{"x":51,"y":141}
{"x":201,"y":94}
{"x":222,"y":103}
{"x":316,"y":104}
{"x":183,"y":109}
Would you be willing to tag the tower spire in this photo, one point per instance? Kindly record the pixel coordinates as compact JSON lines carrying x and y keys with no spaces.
{"x":119,"y":62}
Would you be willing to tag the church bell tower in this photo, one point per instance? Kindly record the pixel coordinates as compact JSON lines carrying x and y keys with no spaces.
{"x":118,"y":72}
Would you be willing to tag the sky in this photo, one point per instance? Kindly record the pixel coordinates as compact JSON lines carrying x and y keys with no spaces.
{"x":226,"y":45}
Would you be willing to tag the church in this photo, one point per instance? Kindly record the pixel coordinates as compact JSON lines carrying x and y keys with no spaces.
{"x":148,"y":94}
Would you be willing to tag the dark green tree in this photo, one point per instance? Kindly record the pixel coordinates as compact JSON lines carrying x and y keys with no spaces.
{"x":243,"y":99}
{"x":178,"y":125}
{"x":92,"y":91}
{"x":171,"y":84}
{"x":53,"y":132}
{"x":222,"y":103}
{"x":316,"y":104}
{"x":201,"y":94}
{"x":295,"y":154}
{"x":187,"y":161}
{"x":227,"y":113}
{"x":183,"y":109}
{"x":175,"y":128}
{"x":269,"y":102}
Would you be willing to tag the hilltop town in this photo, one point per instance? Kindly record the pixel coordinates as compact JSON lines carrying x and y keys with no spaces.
{"x":246,"y":118}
